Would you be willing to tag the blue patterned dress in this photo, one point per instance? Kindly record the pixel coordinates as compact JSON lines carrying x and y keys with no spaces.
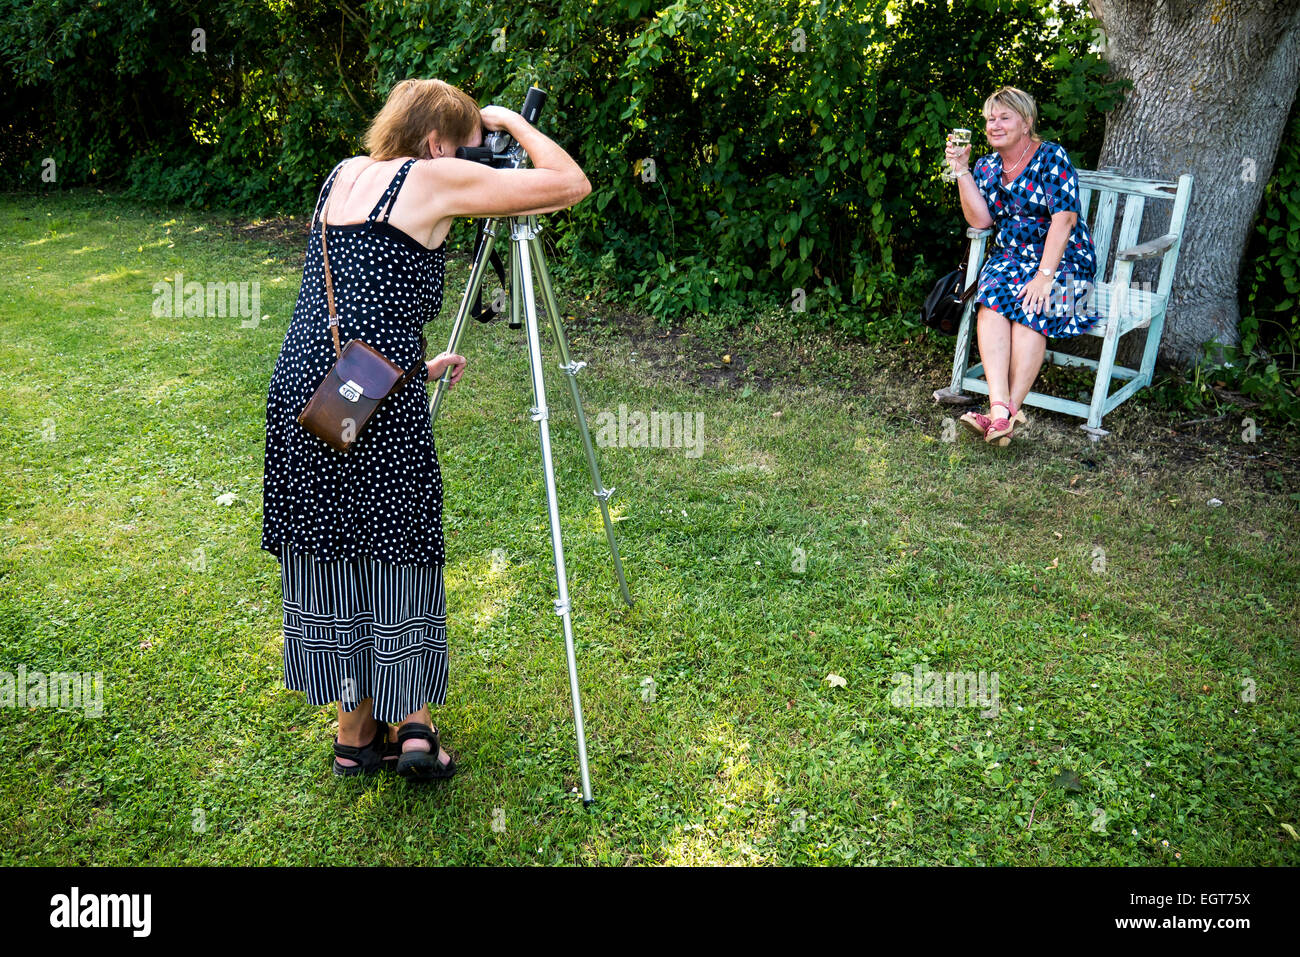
{"x":1022,"y":213}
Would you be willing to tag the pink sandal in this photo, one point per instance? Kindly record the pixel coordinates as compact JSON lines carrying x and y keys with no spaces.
{"x":977,"y":422}
{"x":1000,"y":429}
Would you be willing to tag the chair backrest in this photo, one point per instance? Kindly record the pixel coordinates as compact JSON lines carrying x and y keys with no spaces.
{"x":1110,"y":191}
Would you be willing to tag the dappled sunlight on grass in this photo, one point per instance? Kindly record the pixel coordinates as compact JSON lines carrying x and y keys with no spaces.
{"x":746,"y":460}
{"x":45,"y":240}
{"x":500,"y":583}
{"x":120,"y":274}
{"x":742,"y":811}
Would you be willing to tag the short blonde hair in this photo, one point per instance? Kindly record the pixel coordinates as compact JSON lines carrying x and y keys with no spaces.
{"x":1018,"y":101}
{"x":413,"y":110}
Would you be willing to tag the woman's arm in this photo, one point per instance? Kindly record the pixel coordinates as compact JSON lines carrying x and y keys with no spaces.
{"x":463,"y":188}
{"x":1035,"y":293}
{"x":1058,"y":234}
{"x":973,"y":206}
{"x":1062,"y":196}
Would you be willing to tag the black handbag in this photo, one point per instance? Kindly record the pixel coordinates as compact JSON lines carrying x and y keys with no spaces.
{"x":942,"y":309}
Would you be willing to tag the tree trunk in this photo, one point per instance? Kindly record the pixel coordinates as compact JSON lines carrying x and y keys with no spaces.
{"x":1213,"y":82}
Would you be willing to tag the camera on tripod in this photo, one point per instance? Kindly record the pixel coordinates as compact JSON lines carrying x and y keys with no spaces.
{"x":530,"y":301}
{"x":499,"y":149}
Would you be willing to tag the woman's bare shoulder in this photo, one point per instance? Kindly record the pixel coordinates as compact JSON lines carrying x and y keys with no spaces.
{"x":438,"y":168}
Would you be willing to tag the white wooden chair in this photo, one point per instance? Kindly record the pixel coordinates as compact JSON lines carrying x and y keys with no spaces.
{"x":1122,"y":304}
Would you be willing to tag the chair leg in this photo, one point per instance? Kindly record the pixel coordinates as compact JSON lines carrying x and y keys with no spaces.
{"x":961,"y":359}
{"x":1105,"y":363}
{"x":1154,"y":331}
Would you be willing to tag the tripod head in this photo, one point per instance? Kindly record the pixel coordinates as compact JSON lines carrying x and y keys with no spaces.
{"x":499,"y":149}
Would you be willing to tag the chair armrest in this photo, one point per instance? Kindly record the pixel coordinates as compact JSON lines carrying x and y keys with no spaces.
{"x":1147,"y":250}
{"x":974,"y":233}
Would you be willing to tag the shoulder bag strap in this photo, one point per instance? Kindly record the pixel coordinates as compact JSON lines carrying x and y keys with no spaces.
{"x":334,"y":319}
{"x":329,"y":285}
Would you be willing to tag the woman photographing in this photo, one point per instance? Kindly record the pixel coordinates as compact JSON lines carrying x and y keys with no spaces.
{"x":359,"y":533}
{"x":1037,"y":280}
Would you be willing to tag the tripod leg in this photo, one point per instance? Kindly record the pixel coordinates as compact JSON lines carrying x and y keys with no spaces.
{"x":516,"y":291}
{"x":522,"y":281}
{"x":476,"y":274}
{"x":570,"y":369}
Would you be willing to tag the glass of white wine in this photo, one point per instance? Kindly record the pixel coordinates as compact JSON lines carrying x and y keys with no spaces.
{"x":958,"y":139}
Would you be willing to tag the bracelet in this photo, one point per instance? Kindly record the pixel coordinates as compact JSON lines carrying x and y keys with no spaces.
{"x":964,"y":172}
{"x":1047,"y":274}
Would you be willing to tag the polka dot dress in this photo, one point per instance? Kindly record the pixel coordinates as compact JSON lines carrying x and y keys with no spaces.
{"x":1022,"y":214}
{"x":359,"y":533}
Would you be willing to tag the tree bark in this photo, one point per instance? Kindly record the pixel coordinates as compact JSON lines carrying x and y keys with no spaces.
{"x":1213,"y":83}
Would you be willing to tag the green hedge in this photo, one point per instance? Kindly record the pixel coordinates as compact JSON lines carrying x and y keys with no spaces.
{"x":795,"y":145}
{"x":116,"y":94}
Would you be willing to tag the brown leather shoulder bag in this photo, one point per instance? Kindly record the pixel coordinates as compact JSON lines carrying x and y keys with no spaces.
{"x":361,"y":380}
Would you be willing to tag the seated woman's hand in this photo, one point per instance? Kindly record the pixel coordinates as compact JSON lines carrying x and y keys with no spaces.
{"x":441,"y":362}
{"x":1036,"y":293}
{"x":958,"y":159}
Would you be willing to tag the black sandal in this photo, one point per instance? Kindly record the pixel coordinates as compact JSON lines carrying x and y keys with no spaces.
{"x":422,"y":765}
{"x":369,"y":757}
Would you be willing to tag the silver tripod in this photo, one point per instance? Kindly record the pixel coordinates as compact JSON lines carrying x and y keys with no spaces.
{"x":527,"y":257}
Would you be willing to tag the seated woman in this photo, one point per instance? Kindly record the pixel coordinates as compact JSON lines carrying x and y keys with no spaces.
{"x":1037,"y":280}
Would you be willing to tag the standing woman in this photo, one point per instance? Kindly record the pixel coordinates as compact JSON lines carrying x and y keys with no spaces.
{"x":359,"y":533}
{"x":1037,"y":281}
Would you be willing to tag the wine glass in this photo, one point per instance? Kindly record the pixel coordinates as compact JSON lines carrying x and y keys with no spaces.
{"x":958,"y":138}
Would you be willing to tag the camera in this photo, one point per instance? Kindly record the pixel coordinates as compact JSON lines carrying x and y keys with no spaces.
{"x":499,"y":149}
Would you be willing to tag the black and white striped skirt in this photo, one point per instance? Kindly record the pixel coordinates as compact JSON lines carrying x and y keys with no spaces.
{"x":361,"y":628}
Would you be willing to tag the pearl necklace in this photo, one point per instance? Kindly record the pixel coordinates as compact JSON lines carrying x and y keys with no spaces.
{"x":1022,"y":157}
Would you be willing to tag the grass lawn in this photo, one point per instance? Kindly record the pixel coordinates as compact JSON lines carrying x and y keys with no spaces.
{"x":827,"y":529}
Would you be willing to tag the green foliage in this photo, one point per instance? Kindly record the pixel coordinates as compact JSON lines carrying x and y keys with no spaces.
{"x":744,"y":157}
{"x":745,"y":154}
{"x":123,"y":92}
